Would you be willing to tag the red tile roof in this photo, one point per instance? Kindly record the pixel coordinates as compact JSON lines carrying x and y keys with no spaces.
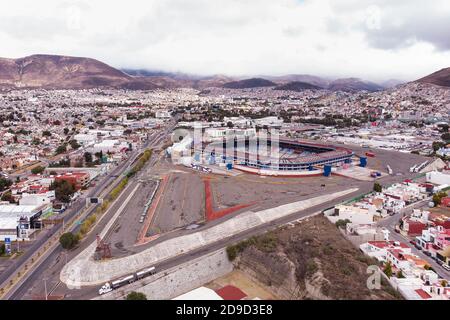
{"x":423,"y":294}
{"x":231,"y":293}
{"x":387,"y":244}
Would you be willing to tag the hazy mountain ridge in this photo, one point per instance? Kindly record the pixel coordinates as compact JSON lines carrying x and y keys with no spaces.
{"x":249,"y":83}
{"x":298,"y":86}
{"x":63,"y":72}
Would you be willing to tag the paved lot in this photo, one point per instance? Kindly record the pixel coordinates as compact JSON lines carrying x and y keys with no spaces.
{"x":181,"y":204}
{"x":126,"y":229}
{"x":400,"y":162}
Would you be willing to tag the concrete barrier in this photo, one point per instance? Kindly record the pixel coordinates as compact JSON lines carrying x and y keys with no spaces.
{"x":84,"y":271}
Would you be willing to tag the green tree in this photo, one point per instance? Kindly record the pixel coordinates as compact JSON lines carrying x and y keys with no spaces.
{"x":446,"y":137}
{"x":99,"y":155}
{"x":5,"y":184}
{"x":437,"y":197}
{"x":2,"y":249}
{"x":400,"y":274}
{"x":232,"y":252}
{"x":377,"y":187}
{"x":63,"y":190}
{"x":68,"y":240}
{"x":74,"y":144}
{"x":61,"y":149}
{"x":7,"y":196}
{"x":37,"y":170}
{"x":136,"y":296}
{"x":88,"y":157}
{"x":437,"y":145}
{"x":388,"y":269}
{"x":342,"y":223}
{"x":46,"y":133}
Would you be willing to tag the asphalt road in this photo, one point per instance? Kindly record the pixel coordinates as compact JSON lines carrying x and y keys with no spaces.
{"x":390,"y":223}
{"x":55,"y":255}
{"x":76,"y":207}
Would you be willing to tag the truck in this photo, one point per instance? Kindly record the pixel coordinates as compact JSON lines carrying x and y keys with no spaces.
{"x":145,"y":273}
{"x":110,"y":286}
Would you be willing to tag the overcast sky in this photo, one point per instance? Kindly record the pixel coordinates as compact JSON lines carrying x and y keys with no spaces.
{"x":375,"y":40}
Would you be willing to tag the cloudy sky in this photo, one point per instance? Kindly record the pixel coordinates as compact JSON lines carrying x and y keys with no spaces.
{"x":375,"y":40}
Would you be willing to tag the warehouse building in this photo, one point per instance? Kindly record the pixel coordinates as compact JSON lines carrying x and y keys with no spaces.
{"x":20,"y":221}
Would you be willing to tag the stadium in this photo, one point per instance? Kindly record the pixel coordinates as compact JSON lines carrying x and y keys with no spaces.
{"x":283,"y":157}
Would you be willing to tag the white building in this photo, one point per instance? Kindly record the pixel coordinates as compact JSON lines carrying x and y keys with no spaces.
{"x":19,"y":221}
{"x":379,"y":249}
{"x":357,"y":215}
{"x":85,"y":139}
{"x":438,"y":178}
{"x":201,"y":293}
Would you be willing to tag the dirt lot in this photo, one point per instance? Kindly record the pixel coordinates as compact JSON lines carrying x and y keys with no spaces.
{"x":267,"y":192}
{"x":440,"y":210}
{"x":311,"y":260}
{"x":240,"y":280}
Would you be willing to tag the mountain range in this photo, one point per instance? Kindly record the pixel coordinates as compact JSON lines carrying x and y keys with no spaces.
{"x":64,"y":72}
{"x":440,"y":78}
{"x":61,"y":72}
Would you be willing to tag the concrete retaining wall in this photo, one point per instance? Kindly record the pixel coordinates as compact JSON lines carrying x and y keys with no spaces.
{"x":178,"y":280}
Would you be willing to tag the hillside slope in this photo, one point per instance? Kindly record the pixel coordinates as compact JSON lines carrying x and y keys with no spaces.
{"x":62,"y":72}
{"x":354,"y":85}
{"x":298,"y":86}
{"x":309,"y":261}
{"x":249,"y":83}
{"x":440,"y":78}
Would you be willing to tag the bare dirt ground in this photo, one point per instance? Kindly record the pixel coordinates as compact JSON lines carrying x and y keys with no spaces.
{"x":440,"y":210}
{"x":240,"y":280}
{"x":267,"y":192}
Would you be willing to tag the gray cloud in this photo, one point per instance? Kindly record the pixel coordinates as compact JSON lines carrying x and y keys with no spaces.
{"x":323,"y":37}
{"x":422,"y":24}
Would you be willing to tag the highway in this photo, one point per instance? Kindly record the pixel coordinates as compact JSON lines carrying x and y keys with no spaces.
{"x":104,"y":186}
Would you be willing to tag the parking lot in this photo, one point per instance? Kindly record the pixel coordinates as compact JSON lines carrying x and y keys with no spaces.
{"x":124,"y":233}
{"x":181,"y":204}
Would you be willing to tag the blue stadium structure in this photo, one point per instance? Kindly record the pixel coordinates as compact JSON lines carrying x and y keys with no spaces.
{"x":292,"y":155}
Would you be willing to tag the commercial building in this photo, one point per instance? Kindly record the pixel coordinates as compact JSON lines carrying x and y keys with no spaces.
{"x":19,"y":221}
{"x":78,"y":179}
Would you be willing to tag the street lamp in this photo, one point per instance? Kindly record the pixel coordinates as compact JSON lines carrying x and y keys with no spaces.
{"x":45,"y":288}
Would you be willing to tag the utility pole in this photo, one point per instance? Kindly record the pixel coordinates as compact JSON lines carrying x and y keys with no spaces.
{"x":45,"y":287}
